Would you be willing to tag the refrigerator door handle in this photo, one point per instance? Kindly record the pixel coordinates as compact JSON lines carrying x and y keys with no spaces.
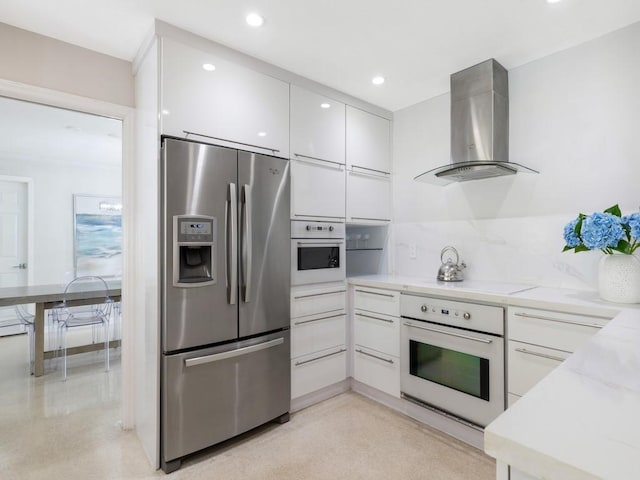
{"x":192,"y":362}
{"x":231,"y":244}
{"x":246,"y":243}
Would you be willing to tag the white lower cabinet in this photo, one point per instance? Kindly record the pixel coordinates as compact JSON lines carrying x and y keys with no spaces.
{"x":539,"y":341}
{"x":318,"y":337}
{"x":376,"y":339}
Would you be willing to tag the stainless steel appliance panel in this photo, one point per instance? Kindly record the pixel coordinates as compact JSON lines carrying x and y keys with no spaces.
{"x":264,"y":270}
{"x":317,"y":252}
{"x":217,"y":393}
{"x":198,"y":180}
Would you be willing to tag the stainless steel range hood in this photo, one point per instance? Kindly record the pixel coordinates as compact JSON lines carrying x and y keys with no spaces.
{"x":479,"y":127}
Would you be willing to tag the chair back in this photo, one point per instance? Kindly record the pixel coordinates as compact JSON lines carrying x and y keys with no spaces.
{"x":24,"y":316}
{"x":88,"y":283}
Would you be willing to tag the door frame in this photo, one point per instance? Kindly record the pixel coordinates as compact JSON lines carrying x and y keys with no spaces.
{"x":55,"y":98}
{"x":29,"y":185}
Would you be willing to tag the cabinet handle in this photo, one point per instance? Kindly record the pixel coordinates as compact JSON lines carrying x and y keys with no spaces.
{"x":390,"y":295}
{"x":320,"y":244}
{"x":538,"y":354}
{"x":314,"y":216}
{"x":541,"y":317}
{"x":386,"y":174}
{"x":297,"y":364}
{"x":375,"y":318}
{"x":318,"y":159}
{"x":368,"y":218}
{"x":388,"y":360}
{"x":319,"y":294}
{"x":186,"y":136}
{"x":317,"y":319}
{"x":466,"y":337}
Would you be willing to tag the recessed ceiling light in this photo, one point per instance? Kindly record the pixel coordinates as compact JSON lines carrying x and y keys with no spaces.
{"x":553,"y":1}
{"x":255,"y":20}
{"x":325,"y":105}
{"x":209,"y":67}
{"x":165,"y":112}
{"x":262,"y":134}
{"x":377,"y":80}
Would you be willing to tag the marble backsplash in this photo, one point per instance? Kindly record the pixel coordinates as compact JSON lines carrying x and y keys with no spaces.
{"x":524,"y":250}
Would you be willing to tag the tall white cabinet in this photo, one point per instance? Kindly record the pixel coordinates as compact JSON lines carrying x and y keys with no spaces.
{"x":317,"y":156}
{"x":226,"y":103}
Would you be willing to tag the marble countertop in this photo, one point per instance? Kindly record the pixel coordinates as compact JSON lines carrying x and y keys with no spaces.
{"x":583,"y":419}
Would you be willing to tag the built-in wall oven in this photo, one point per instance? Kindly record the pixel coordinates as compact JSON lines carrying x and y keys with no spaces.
{"x":317,"y":252}
{"x":452,"y":357}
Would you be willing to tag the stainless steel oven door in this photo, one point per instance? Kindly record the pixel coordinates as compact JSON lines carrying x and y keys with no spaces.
{"x":316,"y":260}
{"x":455,"y":370}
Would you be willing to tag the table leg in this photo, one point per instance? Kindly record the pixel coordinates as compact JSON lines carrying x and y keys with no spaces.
{"x":38,"y":368}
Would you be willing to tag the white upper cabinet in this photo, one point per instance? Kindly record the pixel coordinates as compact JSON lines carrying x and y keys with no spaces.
{"x":368,"y":141}
{"x":206,"y":95}
{"x":317,"y":156}
{"x":317,"y":126}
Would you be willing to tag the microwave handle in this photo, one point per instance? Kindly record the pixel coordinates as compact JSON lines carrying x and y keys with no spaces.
{"x":319,"y":244}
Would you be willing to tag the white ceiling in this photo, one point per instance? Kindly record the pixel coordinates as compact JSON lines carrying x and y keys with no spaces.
{"x":415,"y":44}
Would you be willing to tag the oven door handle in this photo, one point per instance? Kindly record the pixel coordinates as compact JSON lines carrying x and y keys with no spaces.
{"x":319,"y":244}
{"x":459,"y":335}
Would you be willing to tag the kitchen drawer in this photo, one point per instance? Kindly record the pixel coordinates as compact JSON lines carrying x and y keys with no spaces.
{"x":318,"y":370}
{"x":562,"y":331}
{"x":377,"y":331}
{"x":317,"y":332}
{"x":378,"y":370}
{"x":307,"y":301}
{"x":377,"y":300}
{"x":528,"y":364}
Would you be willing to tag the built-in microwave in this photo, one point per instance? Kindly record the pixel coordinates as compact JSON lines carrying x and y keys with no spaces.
{"x":317,"y":252}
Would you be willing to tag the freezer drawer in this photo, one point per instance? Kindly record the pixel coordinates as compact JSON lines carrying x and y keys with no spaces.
{"x":211,"y":395}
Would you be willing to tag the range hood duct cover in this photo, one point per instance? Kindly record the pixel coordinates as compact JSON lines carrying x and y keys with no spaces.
{"x":479,"y":127}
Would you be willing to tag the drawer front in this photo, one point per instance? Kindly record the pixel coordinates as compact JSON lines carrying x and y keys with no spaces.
{"x":377,"y":300}
{"x":562,"y":331}
{"x":312,"y":302}
{"x":528,"y":364}
{"x":377,"y":370}
{"x":319,"y":370}
{"x":319,"y":332}
{"x":377,"y":331}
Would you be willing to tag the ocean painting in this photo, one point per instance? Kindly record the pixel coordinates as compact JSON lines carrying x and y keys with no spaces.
{"x":98,"y":236}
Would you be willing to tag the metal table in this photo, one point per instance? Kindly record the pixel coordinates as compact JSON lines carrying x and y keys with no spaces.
{"x":47,"y":297}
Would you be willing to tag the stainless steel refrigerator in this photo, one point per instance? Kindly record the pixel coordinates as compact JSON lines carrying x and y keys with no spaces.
{"x":225,"y":365}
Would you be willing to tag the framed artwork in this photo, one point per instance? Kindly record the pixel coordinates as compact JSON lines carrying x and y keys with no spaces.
{"x":97,"y":239}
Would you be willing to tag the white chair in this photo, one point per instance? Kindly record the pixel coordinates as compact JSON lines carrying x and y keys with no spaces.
{"x":91,"y":315}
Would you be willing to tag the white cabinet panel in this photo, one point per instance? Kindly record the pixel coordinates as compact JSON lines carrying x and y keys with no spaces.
{"x":528,"y":364}
{"x":230,"y":102}
{"x":368,"y":198}
{"x":305,"y":301}
{"x":377,"y":300}
{"x":317,"y":126}
{"x":318,"y":370}
{"x":319,"y":332}
{"x":377,"y":370}
{"x":317,"y":190}
{"x":377,"y":331}
{"x":368,"y":140}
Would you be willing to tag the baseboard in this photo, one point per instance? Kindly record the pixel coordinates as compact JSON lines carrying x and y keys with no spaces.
{"x":320,"y":395}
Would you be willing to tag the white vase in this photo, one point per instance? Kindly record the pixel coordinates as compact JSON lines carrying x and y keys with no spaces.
{"x":619,"y":278}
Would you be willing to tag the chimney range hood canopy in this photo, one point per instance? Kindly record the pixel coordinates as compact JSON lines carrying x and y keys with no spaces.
{"x":479,"y":127}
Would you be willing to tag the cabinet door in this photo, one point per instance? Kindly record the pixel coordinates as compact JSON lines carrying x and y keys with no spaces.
{"x":317,"y":190}
{"x":317,"y":126}
{"x":368,"y":141}
{"x":240,"y":107}
{"x":368,"y":198}
{"x":528,"y":364}
{"x":378,"y":370}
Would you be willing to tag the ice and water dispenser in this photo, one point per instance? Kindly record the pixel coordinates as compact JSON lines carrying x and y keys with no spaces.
{"x":194,"y":251}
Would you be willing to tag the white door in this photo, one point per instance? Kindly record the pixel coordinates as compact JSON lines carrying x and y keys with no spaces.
{"x":13,"y":241}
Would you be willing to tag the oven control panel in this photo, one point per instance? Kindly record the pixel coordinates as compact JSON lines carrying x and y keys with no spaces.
{"x":308,"y":229}
{"x":483,"y":318}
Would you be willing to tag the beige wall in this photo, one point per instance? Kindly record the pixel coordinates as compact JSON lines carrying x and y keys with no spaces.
{"x":33,"y":59}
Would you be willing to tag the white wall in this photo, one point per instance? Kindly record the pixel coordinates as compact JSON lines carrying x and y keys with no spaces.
{"x":54,"y":184}
{"x":574,"y":117}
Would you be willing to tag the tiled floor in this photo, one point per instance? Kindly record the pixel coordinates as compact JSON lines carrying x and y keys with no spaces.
{"x":51,"y":429}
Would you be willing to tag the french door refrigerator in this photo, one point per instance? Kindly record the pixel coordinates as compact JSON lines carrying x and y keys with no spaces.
{"x":225,"y":365}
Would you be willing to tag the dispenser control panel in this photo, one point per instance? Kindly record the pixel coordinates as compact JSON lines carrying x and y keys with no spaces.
{"x":195,"y":230}
{"x":194,"y":251}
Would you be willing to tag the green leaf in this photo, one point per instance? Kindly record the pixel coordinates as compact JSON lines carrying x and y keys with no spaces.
{"x":578,"y":228}
{"x":567,"y":248}
{"x":623,"y":247}
{"x":581,"y":248}
{"x":615,"y":210}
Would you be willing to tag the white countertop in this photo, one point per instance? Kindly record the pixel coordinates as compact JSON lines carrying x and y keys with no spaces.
{"x":583,"y":419}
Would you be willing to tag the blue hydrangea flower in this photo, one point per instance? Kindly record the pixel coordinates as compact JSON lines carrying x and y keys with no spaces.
{"x":601,"y":230}
{"x":570,"y":237}
{"x":633,"y":221}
